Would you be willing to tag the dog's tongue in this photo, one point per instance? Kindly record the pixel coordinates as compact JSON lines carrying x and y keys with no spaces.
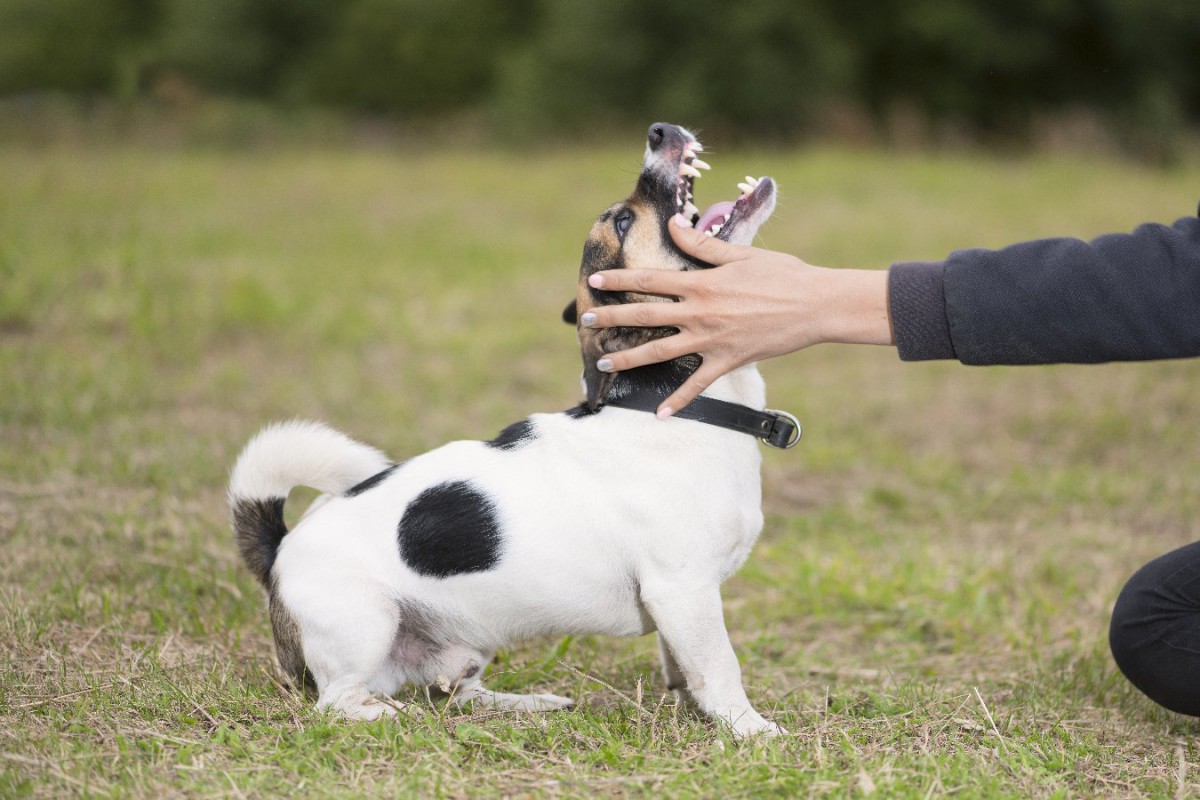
{"x":714,"y":213}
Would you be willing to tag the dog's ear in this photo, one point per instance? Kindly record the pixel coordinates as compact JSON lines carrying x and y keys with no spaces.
{"x":570,"y":314}
{"x":595,"y":382}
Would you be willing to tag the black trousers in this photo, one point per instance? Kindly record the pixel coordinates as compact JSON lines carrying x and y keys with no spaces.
{"x":1155,"y":631}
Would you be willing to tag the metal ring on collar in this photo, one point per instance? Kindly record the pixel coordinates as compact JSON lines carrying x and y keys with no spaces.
{"x":795,"y":438}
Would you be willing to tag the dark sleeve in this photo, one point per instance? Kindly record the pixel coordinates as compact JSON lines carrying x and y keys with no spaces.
{"x":1121,"y":297}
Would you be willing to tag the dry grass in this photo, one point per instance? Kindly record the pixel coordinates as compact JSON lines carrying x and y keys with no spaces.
{"x":926,"y":611}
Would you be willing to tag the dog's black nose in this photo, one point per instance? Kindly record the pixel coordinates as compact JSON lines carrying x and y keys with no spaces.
{"x":657,"y":134}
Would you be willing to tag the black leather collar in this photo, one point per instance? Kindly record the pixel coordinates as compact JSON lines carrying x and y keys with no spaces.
{"x":776,"y":428}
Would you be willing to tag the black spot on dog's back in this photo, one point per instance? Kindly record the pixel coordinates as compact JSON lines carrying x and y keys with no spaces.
{"x":371,"y":482}
{"x":449,"y":529}
{"x":514,"y":436}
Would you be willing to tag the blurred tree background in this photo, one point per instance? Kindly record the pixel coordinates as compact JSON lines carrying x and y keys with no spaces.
{"x":787,"y":68}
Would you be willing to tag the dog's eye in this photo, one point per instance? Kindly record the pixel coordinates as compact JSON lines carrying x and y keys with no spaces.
{"x":622,"y":223}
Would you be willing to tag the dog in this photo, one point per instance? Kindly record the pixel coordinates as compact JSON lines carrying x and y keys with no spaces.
{"x":598,"y":520}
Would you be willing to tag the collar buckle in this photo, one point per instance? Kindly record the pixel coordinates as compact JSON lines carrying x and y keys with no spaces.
{"x":785,"y":431}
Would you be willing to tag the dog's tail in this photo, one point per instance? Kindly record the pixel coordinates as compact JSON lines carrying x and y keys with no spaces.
{"x":281,"y":457}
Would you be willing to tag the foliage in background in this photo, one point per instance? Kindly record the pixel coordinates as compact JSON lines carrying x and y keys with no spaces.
{"x":990,"y":66}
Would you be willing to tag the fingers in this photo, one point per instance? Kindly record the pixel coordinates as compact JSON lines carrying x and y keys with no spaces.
{"x":646,"y":281}
{"x":665,"y":350}
{"x":700,"y":380}
{"x":651,"y":352}
{"x":708,"y":249}
{"x":634,"y":315}
{"x":670,"y":282}
{"x":689,"y":286}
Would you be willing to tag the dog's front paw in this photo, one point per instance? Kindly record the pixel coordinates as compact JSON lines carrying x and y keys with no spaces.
{"x":752,"y":724}
{"x":767,"y":729}
{"x":522,"y":702}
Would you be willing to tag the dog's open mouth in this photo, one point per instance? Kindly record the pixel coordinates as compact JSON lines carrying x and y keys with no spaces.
{"x":723,"y":218}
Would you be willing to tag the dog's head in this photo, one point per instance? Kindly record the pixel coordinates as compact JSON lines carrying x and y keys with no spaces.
{"x":633,"y":235}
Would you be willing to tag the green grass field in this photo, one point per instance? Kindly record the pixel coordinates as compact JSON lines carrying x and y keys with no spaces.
{"x":926,"y":611}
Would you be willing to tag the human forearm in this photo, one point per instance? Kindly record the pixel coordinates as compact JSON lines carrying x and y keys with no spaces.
{"x":855,"y":310}
{"x":1120,"y":297}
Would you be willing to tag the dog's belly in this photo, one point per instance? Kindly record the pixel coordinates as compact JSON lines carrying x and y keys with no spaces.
{"x":548,"y":616}
{"x":524,"y":598}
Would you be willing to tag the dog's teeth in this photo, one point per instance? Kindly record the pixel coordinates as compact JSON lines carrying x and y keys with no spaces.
{"x":689,"y":209}
{"x":698,"y":164}
{"x":727,"y":216}
{"x":750,"y":179}
{"x":696,"y":147}
{"x":688,"y":170}
{"x":746,"y":188}
{"x":715,"y":229}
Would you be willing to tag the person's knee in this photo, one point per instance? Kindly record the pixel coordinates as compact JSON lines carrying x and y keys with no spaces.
{"x":1154,"y":635}
{"x":1129,"y":631}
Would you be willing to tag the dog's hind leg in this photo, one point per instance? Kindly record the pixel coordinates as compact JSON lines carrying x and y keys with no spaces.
{"x":354,"y":700}
{"x":348,"y":647}
{"x":691,"y":627}
{"x":468,"y":686}
{"x":513,"y":702}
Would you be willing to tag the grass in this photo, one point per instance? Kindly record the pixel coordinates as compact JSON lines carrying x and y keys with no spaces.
{"x":927,"y":608}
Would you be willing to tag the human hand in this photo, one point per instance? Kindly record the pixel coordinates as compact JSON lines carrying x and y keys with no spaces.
{"x":755,"y":304}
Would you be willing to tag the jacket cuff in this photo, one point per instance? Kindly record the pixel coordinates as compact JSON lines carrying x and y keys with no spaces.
{"x":917,"y":305}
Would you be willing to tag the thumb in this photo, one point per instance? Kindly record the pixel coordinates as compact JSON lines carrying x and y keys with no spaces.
{"x":698,"y":244}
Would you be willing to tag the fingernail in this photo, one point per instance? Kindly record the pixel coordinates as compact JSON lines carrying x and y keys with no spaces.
{"x":596,"y":281}
{"x":664,"y":412}
{"x":682,"y":221}
{"x":604,"y":365}
{"x":588,"y":319}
